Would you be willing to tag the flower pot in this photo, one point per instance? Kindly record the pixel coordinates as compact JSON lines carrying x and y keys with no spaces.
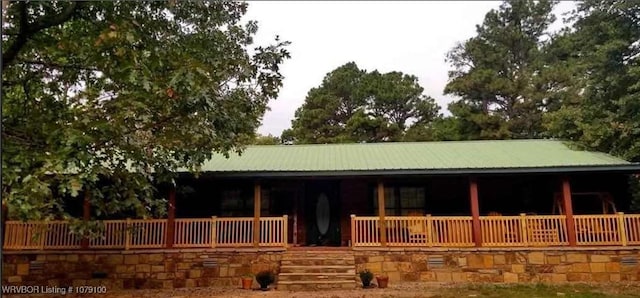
{"x":247,"y":282}
{"x":383,"y":281}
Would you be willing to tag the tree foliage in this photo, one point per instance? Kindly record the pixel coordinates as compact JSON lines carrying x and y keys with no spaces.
{"x":601,"y":52}
{"x":126,"y":92}
{"x":497,"y":73}
{"x":354,"y":105}
{"x":266,"y":140}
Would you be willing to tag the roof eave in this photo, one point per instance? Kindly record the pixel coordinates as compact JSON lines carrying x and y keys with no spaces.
{"x":622,"y":169}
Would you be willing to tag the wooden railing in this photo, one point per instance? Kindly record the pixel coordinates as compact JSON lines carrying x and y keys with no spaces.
{"x":632,"y":228}
{"x":148,"y":233}
{"x":524,"y":230}
{"x":496,"y":231}
{"x":453,"y":231}
{"x":545,"y":230}
{"x":365,"y":230}
{"x":598,"y":229}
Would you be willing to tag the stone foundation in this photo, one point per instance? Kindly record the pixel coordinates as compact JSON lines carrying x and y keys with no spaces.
{"x":200,"y":268}
{"x":554,"y":266}
{"x":136,"y":269}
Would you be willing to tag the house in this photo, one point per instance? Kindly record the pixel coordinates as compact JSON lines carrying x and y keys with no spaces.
{"x":440,"y":200}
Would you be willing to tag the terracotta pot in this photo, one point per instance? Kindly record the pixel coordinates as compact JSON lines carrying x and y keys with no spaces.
{"x":247,"y":282}
{"x":383,"y":281}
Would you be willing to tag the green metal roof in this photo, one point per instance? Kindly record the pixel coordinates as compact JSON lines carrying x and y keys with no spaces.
{"x":414,"y":158}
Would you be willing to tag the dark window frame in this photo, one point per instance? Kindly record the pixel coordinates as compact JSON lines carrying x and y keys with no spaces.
{"x":397,"y":208}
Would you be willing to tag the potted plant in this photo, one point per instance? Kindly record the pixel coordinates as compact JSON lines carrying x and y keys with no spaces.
{"x":265,"y":278}
{"x":383,"y":280}
{"x":247,"y":281}
{"x":366,"y":277}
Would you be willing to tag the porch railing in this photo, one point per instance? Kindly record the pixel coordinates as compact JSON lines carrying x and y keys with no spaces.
{"x":496,"y":231}
{"x":453,"y":231}
{"x":524,"y":230}
{"x":148,"y":233}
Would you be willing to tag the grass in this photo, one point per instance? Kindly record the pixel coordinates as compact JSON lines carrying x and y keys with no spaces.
{"x":540,"y":291}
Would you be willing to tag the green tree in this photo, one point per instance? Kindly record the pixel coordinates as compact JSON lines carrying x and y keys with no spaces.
{"x":602,"y":55}
{"x":126,"y":92}
{"x":496,"y":73}
{"x":353,"y":105}
{"x":598,"y":60}
{"x":266,"y":140}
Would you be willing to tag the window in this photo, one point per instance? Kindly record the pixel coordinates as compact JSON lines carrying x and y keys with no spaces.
{"x":239,"y":203}
{"x":236,"y":203}
{"x":401,"y":200}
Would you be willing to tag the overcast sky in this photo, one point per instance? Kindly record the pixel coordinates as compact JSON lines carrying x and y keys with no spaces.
{"x":412,"y":37}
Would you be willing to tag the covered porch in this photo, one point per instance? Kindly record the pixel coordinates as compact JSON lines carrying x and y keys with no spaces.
{"x":364,"y":212}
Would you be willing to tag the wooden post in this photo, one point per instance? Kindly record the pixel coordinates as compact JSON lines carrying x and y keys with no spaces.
{"x":257,"y":197}
{"x":285,"y":230}
{"x":523,"y":229}
{"x":429,"y":230}
{"x":475,"y":211}
{"x":5,"y":213}
{"x":86,"y":216}
{"x":381,"y":211}
{"x":568,"y":211}
{"x":171,"y":217}
{"x":127,"y":235}
{"x":622,"y":229}
{"x":353,"y":230}
{"x":214,"y":229}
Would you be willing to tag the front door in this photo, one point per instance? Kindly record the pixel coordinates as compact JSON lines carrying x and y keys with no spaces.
{"x":322,"y":213}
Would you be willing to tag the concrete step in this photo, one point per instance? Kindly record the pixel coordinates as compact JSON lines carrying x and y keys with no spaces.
{"x":316,"y":285}
{"x":318,"y":269}
{"x":335,"y":276}
{"x":317,"y":262}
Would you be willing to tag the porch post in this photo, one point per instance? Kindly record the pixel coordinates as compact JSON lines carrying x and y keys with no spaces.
{"x":5,"y":213}
{"x":475,"y":211}
{"x":86,"y":216}
{"x":568,"y":211}
{"x":171,"y":217}
{"x":257,"y":192}
{"x":381,"y":209}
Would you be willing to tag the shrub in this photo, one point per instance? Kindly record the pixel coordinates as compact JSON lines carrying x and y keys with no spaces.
{"x":265,"y":278}
{"x":366,"y":277}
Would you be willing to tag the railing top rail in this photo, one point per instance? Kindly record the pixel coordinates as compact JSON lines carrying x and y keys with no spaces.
{"x":500,"y":217}
{"x":596,"y":216}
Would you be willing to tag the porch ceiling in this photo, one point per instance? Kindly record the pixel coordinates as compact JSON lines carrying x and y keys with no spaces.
{"x":426,"y":158}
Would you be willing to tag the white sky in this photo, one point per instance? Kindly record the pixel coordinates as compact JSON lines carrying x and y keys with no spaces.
{"x":412,"y":37}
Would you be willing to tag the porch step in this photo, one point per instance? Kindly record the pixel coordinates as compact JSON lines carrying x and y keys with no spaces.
{"x":303,"y":269}
{"x":317,"y":270}
{"x":317,"y":261}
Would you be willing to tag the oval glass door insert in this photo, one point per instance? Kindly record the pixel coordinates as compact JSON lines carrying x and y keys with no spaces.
{"x":322,"y":214}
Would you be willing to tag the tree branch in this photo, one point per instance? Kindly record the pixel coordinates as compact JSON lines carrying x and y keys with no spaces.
{"x":26,"y":31}
{"x":57,"y":65}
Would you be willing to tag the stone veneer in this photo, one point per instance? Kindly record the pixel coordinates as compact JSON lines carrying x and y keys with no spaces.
{"x":503,"y":265}
{"x":136,"y":269}
{"x":199,"y":268}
